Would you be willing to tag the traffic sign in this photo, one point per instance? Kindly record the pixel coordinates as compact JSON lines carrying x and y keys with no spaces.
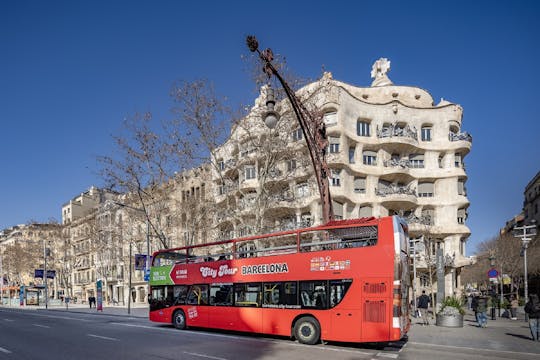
{"x":493,"y":273}
{"x":147,"y":275}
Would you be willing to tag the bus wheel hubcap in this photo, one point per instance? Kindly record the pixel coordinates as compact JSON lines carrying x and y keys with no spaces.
{"x":306,"y":331}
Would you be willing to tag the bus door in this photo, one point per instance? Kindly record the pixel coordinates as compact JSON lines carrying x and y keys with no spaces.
{"x":197,"y":306}
{"x":247,"y":301}
{"x":220,"y":312}
{"x":376,"y":308}
{"x":345,"y":311}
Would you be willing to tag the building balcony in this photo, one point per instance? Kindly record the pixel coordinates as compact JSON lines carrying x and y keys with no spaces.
{"x":395,"y":196}
{"x":464,"y":136}
{"x":396,"y":132}
{"x":290,"y":225}
{"x":398,"y":163}
{"x":285,"y":199}
{"x":422,"y":220}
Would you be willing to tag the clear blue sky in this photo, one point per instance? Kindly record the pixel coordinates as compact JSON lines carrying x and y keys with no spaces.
{"x":70,"y":71}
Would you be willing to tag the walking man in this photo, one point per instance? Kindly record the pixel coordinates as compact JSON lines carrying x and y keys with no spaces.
{"x":532,"y":308}
{"x":423,"y":305}
{"x":481,"y":309}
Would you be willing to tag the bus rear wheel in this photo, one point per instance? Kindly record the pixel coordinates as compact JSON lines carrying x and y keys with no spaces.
{"x":307,"y":330}
{"x":179,"y":320}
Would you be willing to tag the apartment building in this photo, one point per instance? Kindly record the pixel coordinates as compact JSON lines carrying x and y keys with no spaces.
{"x":23,"y":249}
{"x":391,"y":150}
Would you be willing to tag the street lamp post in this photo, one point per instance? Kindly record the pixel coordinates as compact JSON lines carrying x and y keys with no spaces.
{"x":147,"y":268}
{"x":493,"y":289}
{"x":129,"y":280}
{"x":525,"y":232}
{"x":312,"y":127}
{"x":1,"y":282}
{"x":45,"y":253}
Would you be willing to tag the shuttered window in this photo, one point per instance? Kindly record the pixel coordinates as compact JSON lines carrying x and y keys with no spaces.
{"x":425,"y":189}
{"x":338,"y":210}
{"x":360,"y":185}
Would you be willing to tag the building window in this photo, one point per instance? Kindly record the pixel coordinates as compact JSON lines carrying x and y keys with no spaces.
{"x":302,"y":190}
{"x":416,"y":161}
{"x":461,"y":188}
{"x":369,"y":158}
{"x":440,"y":161}
{"x":352,"y":151}
{"x":461,"y":216}
{"x":338,"y":210}
{"x":428,"y":216}
{"x":333,"y":145}
{"x":363,"y":128}
{"x":457,"y":160}
{"x":249,"y":172}
{"x":221,"y":165}
{"x":425,"y":189}
{"x":297,"y":134}
{"x":330,"y":118}
{"x":291,"y":165}
{"x":336,"y":177}
{"x":360,"y":185}
{"x":426,"y":133}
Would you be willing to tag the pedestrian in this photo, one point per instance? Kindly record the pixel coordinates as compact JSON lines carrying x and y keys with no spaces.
{"x":474,"y":306}
{"x":481,"y":309}
{"x":423,"y":305}
{"x":514,"y":303}
{"x":532,"y":308}
{"x":469,"y":301}
{"x":90,"y":301}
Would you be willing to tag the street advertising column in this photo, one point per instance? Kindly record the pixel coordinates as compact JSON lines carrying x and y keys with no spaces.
{"x":99,"y":288}
{"x":440,"y":278}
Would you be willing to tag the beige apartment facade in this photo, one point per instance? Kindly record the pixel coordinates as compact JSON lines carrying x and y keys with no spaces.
{"x":391,"y":150}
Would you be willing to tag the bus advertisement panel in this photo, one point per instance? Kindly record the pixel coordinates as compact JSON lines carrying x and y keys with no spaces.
{"x":344,"y":281}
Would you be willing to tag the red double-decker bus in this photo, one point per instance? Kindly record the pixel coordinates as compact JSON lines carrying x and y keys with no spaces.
{"x":346,"y":281}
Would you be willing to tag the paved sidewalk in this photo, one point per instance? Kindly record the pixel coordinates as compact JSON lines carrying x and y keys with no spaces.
{"x":501,"y":334}
{"x":136,"y":310}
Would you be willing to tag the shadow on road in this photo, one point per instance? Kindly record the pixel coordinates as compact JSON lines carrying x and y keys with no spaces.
{"x":392,"y":346}
{"x":519,"y":336}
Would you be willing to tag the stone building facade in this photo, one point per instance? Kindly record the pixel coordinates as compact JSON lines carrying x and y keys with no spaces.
{"x":391,"y":150}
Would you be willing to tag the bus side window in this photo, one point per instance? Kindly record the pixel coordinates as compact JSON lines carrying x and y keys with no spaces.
{"x":247,"y":295}
{"x":313,"y":294}
{"x":221,"y":295}
{"x":180,"y":294}
{"x":338,"y":289}
{"x":198,"y":295}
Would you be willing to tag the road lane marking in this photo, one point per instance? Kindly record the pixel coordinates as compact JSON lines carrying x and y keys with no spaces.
{"x":103,"y":337}
{"x":5,"y":350}
{"x":9,"y":320}
{"x":392,"y":356}
{"x":205,"y":356}
{"x":43,"y":326}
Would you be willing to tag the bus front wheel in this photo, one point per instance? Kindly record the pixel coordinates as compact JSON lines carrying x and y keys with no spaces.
{"x":179,"y":320}
{"x":307,"y":330}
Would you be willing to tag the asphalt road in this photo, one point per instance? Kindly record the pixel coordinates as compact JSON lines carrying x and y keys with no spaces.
{"x":39,"y":335}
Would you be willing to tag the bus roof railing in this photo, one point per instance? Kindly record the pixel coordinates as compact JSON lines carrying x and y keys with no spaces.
{"x":365,"y":234}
